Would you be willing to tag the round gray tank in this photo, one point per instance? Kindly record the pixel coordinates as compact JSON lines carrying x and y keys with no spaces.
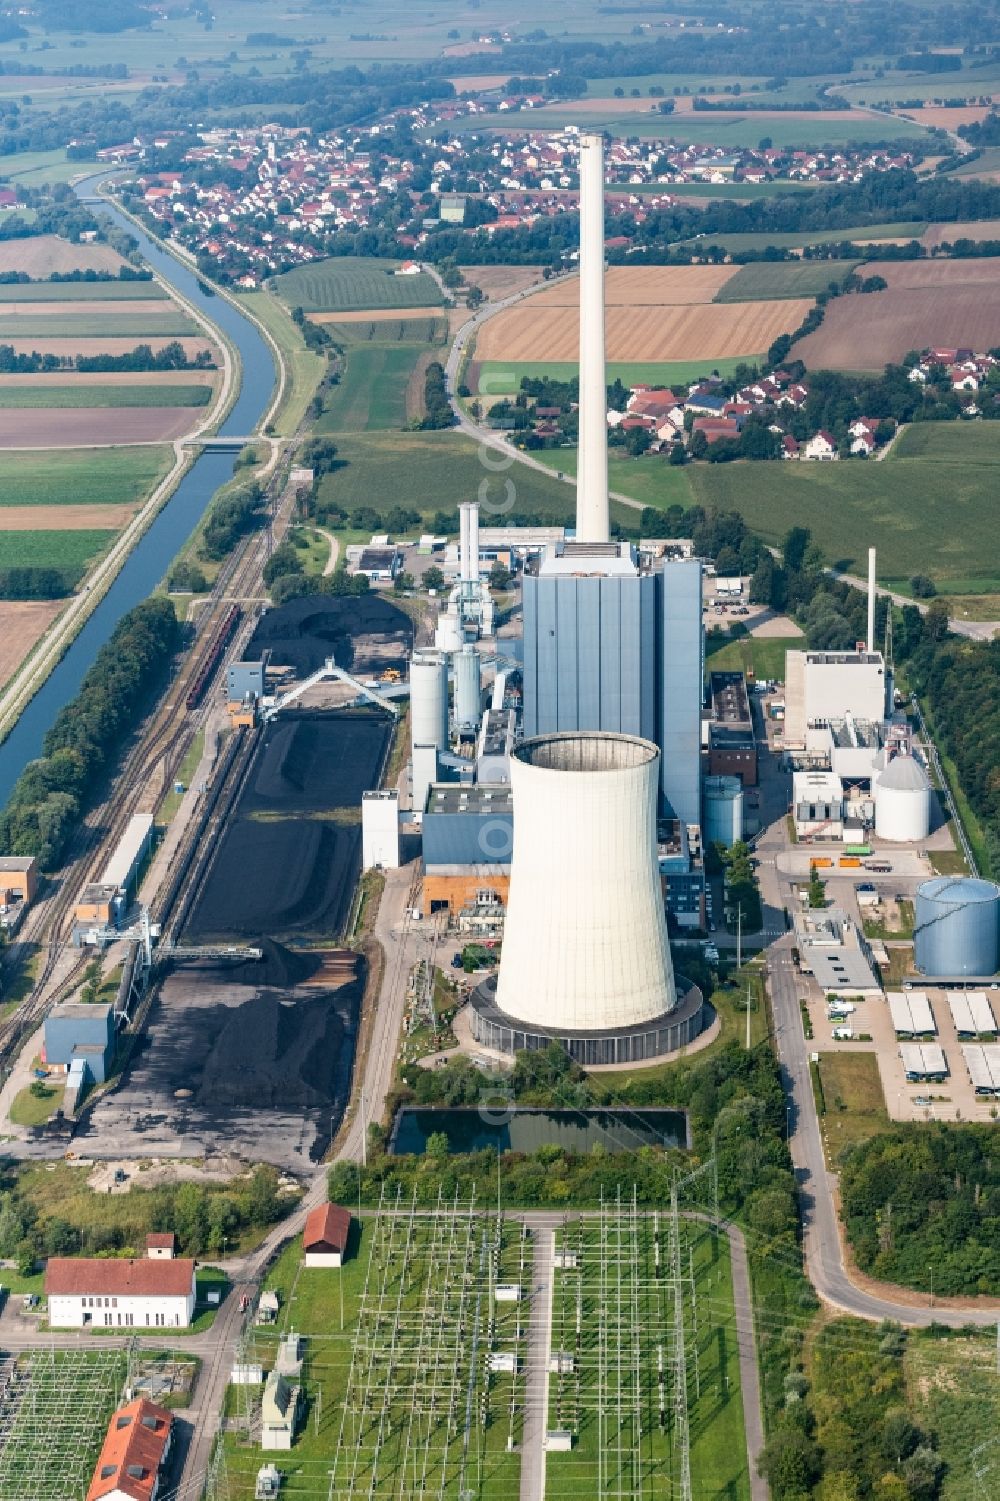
{"x":957,"y":929}
{"x":722,"y":821}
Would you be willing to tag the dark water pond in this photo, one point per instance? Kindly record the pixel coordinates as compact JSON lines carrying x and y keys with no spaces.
{"x":524,"y":1130}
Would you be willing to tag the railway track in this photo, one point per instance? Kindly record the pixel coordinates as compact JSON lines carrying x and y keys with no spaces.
{"x":169,"y":731}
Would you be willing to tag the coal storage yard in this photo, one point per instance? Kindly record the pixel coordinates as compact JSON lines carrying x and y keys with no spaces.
{"x":253,"y":1059}
{"x":358,"y":633}
{"x":309,"y":763}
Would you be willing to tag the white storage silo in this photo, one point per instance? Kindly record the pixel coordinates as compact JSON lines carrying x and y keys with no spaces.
{"x":957,"y":927}
{"x":902,"y":802}
{"x":429,"y":699}
{"x":468,"y":686}
{"x":722,"y":820}
{"x":448,"y":632}
{"x":585,"y":941}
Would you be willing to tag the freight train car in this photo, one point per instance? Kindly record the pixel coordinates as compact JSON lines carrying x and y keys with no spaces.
{"x":221,"y":639}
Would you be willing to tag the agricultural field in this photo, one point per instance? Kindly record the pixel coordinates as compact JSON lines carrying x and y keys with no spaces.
{"x":66,"y":349}
{"x":810,"y":129}
{"x":934,"y":302}
{"x":53,"y":1419}
{"x":978,"y":229}
{"x":700,"y":331}
{"x":736,"y":244}
{"x":498,"y":378}
{"x":67,"y":320}
{"x":965,"y":443}
{"x":22,"y":623}
{"x":372,"y":393}
{"x":382,"y":328}
{"x":498,"y":282}
{"x":36,"y":169}
{"x":72,"y":291}
{"x":305,"y":368}
{"x":651,"y":482}
{"x":918,"y":523}
{"x":435,"y":471}
{"x":70,"y":477}
{"x":770,"y":280}
{"x":33,"y":427}
{"x":348,"y":282}
{"x":31,"y":393}
{"x":41,"y":255}
{"x":640,"y":286}
{"x":64,"y":518}
{"x":69,"y":551}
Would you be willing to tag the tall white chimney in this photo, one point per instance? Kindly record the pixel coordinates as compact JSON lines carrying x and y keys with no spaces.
{"x":473,"y":573}
{"x":465,"y":526}
{"x":871,"y":599}
{"x":592,"y":459}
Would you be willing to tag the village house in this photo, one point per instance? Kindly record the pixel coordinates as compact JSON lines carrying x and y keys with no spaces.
{"x":821,"y":446}
{"x":326,"y":1236}
{"x":135,"y":1450}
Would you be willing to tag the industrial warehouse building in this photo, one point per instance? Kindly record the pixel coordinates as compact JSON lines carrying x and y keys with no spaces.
{"x":468,"y":835}
{"x":732,"y":745}
{"x":135,"y":1450}
{"x":80,"y":1033}
{"x":825,"y":685}
{"x":103,"y":903}
{"x":119,"y":1293}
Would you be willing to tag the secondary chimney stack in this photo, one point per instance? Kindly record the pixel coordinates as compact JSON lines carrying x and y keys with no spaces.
{"x":592,"y":460}
{"x":465,"y":530}
{"x":871,"y":599}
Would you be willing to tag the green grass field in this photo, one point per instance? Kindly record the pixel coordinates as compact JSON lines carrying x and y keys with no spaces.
{"x":305,"y":369}
{"x":763,"y":655}
{"x":724,"y":129}
{"x":36,"y":168}
{"x":372,"y":390}
{"x":81,"y":476}
{"x":70,"y":551}
{"x":651,"y":480}
{"x":18,"y":397}
{"x":953,"y":1387}
{"x":78,"y":291}
{"x":348,"y":282}
{"x":737,"y":190}
{"x":96,"y":325}
{"x":920,"y":520}
{"x":767,"y":280}
{"x":734,"y":243}
{"x":436,"y":471}
{"x":966,"y":443}
{"x":500,"y":378}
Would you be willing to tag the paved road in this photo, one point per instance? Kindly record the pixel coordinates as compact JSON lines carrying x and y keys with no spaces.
{"x":976,"y":630}
{"x":536,"y":1377}
{"x":824,"y":1251}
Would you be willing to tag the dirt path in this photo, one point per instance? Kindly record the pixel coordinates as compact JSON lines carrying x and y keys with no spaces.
{"x":331,"y":561}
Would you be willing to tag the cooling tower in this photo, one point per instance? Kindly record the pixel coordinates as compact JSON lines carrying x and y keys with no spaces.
{"x":585,"y":942}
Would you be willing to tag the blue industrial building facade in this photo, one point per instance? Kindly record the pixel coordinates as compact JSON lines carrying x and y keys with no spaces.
{"x":76,"y":1030}
{"x":621,"y":654}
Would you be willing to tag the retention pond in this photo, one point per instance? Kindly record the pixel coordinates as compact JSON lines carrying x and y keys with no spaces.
{"x":513,"y":1129}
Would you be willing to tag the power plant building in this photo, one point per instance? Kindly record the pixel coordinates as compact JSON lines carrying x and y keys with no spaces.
{"x":380,"y":829}
{"x":468,"y":836}
{"x":821,"y":686}
{"x":586,"y":959}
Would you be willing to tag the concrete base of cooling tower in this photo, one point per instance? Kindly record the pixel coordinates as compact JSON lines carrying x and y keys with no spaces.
{"x":495,"y":1029}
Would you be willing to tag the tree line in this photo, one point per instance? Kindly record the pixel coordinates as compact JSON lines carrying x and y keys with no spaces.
{"x":52,"y":793}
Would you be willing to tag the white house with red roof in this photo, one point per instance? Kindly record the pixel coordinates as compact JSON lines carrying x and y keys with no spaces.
{"x":821,"y":446}
{"x":326,"y":1235}
{"x":120,"y":1293}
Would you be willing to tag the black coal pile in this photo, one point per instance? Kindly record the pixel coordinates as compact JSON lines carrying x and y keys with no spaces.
{"x":280,"y":968}
{"x":273,"y":1053}
{"x":310,"y":763}
{"x":305,"y":632}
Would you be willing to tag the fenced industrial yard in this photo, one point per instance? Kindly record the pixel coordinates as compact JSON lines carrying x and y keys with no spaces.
{"x":461,"y":1351}
{"x":54,"y":1412}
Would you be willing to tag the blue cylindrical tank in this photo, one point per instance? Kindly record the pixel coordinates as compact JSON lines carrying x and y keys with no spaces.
{"x":957,"y":929}
{"x":723,"y":810}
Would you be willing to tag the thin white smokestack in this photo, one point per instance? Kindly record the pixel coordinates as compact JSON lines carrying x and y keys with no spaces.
{"x":592,"y":461}
{"x":464,"y":523}
{"x":474,"y":542}
{"x":871,"y":599}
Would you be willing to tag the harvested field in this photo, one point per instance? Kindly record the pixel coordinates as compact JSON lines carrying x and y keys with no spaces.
{"x":68,"y":518}
{"x":866,"y":333}
{"x":303,"y":633}
{"x":938,"y":275}
{"x":22,"y":623}
{"x":498,"y":282}
{"x":477,"y":83}
{"x":643,"y":286}
{"x":375,"y":315}
{"x":78,"y":306}
{"x":41,"y":255}
{"x":61,"y":292}
{"x":67,"y":348}
{"x":701,"y":331}
{"x":976,"y":229}
{"x":939,"y":117}
{"x":76,"y":427}
{"x":241,"y":1058}
{"x":125,"y":380}
{"x":311,"y":763}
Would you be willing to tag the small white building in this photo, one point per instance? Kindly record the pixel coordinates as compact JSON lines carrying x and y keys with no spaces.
{"x":380,"y":829}
{"x":161,"y":1245}
{"x":279,"y":1411}
{"x":120,"y":1293}
{"x":822,"y":446}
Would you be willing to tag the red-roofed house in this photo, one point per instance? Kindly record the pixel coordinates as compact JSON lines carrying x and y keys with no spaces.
{"x":135,"y":1450}
{"x":324,"y":1241}
{"x":120,"y":1293}
{"x":821,"y":445}
{"x":161,"y":1245}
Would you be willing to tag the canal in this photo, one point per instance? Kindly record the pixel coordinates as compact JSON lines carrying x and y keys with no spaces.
{"x":152,"y":555}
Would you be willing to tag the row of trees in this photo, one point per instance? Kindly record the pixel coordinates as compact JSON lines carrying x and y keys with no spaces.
{"x":34,"y":582}
{"x":437,"y":407}
{"x":52,"y":793}
{"x":232,"y":516}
